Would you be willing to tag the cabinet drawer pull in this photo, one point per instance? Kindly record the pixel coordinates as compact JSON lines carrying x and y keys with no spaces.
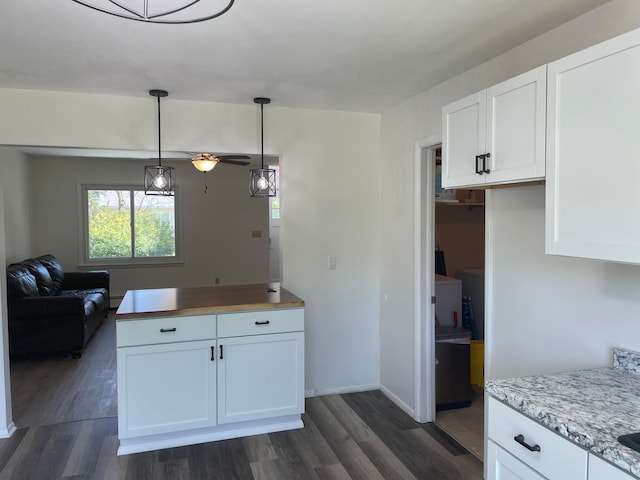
{"x":520,"y":440}
{"x":165,"y":330}
{"x":221,"y":352}
{"x":213,"y":353}
{"x":266,"y":322}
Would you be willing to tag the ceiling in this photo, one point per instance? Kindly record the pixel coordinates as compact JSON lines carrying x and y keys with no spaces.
{"x":353,"y":55}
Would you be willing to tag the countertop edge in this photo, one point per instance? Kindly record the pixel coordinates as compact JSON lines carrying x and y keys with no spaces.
{"x":208,"y":310}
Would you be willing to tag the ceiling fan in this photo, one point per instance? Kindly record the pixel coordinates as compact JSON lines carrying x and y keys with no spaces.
{"x":207,"y":161}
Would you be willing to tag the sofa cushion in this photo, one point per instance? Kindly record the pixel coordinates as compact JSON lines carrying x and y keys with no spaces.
{"x":55,"y":270}
{"x":21,"y":282}
{"x":43,"y":279}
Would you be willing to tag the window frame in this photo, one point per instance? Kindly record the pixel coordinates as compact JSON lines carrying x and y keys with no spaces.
{"x":85,"y":261}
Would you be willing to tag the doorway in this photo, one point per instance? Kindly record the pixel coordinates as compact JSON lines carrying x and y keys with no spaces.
{"x":448,"y":389}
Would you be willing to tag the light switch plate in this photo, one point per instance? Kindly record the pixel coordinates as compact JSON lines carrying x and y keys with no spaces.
{"x":332,"y":263}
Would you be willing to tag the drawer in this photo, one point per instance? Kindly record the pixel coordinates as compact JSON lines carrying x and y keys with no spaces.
{"x":558,"y":457}
{"x":260,"y":322}
{"x":151,"y":331}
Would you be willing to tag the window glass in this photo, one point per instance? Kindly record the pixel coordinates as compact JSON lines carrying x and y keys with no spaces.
{"x":124,"y":223}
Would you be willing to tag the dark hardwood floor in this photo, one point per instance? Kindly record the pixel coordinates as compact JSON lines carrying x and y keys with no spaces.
{"x":66,"y":410}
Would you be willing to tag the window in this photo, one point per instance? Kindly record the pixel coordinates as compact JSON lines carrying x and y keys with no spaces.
{"x":122,"y":224}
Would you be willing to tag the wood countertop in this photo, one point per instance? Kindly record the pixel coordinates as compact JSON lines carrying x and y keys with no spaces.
{"x":159,"y":302}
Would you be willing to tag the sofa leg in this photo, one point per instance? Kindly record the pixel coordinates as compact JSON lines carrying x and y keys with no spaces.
{"x":76,"y":355}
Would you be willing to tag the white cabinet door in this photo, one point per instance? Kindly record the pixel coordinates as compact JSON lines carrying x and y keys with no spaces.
{"x":593,"y":141}
{"x":601,"y":470}
{"x":516,"y":111}
{"x":464,"y":136}
{"x":260,"y":376}
{"x":496,"y":136}
{"x":166,"y":388}
{"x":501,"y":465}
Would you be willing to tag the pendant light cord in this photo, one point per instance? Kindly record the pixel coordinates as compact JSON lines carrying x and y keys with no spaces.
{"x":159,"y":136}
{"x":262,"y":134}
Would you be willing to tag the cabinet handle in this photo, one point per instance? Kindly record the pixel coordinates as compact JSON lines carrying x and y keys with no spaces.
{"x":221,"y":352}
{"x":213,"y":353}
{"x":478,"y":171}
{"x":165,"y":330}
{"x":266,"y":322}
{"x":484,"y":163}
{"x":520,"y":440}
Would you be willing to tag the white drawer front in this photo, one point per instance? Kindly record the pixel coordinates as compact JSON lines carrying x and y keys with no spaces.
{"x":558,"y":458}
{"x":601,"y":470}
{"x":260,"y":322}
{"x":159,"y":330}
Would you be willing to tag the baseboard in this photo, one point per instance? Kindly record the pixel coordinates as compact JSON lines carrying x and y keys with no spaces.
{"x":395,"y":399}
{"x":11,"y":429}
{"x":211,"y":434}
{"x":341,"y":390}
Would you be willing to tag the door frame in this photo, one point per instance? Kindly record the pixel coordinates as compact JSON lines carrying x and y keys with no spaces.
{"x":424,"y":242}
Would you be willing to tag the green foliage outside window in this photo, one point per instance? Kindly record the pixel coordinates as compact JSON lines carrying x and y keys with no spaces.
{"x":115,"y":233}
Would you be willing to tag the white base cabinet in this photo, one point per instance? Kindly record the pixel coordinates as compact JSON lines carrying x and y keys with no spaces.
{"x":166,"y":388}
{"x":520,"y":442}
{"x":175,"y":389}
{"x":260,"y":377}
{"x":601,"y":470}
{"x":592,"y":152}
{"x":501,"y":465}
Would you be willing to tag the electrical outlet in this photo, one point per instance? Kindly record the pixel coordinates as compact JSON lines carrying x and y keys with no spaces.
{"x":332,"y":263}
{"x":217,"y":280}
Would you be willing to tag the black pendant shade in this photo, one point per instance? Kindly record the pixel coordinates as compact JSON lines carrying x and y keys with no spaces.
{"x":262,"y":181}
{"x":158,"y":179}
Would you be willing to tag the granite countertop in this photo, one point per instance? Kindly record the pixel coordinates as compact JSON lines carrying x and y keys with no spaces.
{"x":590,"y":407}
{"x":157,"y":302}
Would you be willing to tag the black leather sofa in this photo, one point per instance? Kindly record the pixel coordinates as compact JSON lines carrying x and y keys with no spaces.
{"x":51,"y":310}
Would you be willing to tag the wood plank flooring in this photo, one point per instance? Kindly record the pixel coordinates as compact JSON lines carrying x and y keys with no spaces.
{"x":67,"y":428}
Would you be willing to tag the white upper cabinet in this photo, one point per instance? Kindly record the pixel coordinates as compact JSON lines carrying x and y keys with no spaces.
{"x":496,"y":136}
{"x":593,"y":152}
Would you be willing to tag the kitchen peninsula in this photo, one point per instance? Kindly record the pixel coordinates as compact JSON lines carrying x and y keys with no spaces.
{"x":201,"y":364}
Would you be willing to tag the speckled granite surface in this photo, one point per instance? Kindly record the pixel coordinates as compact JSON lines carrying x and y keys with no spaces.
{"x":591,"y":407}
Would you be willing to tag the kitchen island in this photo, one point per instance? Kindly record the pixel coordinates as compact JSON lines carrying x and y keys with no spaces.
{"x":588,"y":408}
{"x":201,"y":364}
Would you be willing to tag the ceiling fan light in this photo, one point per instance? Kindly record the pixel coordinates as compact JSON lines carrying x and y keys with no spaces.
{"x":204,"y":162}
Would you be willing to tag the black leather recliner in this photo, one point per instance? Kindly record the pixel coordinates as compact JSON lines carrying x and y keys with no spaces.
{"x":51,"y":310}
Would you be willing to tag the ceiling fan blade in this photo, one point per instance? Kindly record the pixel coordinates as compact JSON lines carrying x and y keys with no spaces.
{"x":233,"y":162}
{"x":234,"y":157}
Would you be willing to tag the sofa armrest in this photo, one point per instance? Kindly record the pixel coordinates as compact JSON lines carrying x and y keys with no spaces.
{"x":45,"y":307}
{"x":86,"y":280}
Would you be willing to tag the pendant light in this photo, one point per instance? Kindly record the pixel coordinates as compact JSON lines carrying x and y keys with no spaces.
{"x":158,"y":179}
{"x":161,"y":11}
{"x":262,"y":181}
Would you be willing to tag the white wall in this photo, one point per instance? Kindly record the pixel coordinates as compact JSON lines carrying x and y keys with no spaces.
{"x":216,"y":227}
{"x":420,"y":117}
{"x":15,"y":180}
{"x":553,"y":313}
{"x":330,"y":163}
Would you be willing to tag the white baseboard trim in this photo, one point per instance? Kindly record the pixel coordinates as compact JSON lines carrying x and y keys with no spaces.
{"x":220,"y":432}
{"x":341,"y":390}
{"x":395,"y":399}
{"x":10,"y":430}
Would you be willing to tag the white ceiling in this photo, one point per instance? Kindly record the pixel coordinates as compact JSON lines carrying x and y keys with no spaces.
{"x":355,"y":55}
